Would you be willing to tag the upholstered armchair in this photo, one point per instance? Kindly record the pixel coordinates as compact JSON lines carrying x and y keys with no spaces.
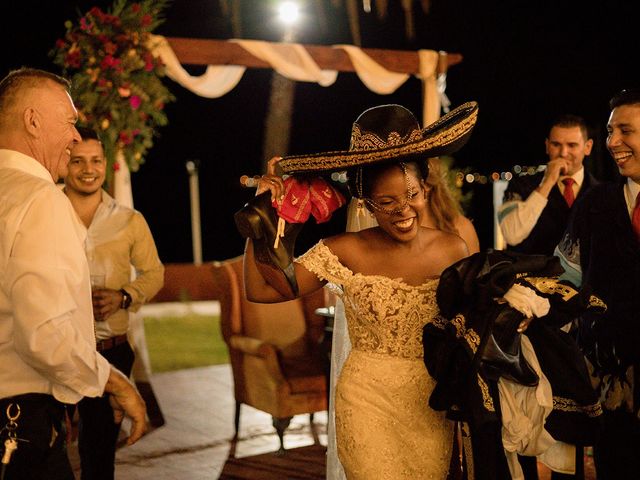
{"x":278,"y":364}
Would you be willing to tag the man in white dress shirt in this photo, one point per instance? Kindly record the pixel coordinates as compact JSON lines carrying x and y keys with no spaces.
{"x":47,"y":339}
{"x":536,"y":207}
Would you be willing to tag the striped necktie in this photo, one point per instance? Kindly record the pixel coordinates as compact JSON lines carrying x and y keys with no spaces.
{"x":569,"y":196}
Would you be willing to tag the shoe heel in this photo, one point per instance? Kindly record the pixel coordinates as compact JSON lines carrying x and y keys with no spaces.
{"x":248,"y":223}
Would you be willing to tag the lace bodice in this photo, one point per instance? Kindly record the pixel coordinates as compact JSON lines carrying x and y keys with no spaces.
{"x":384,"y":315}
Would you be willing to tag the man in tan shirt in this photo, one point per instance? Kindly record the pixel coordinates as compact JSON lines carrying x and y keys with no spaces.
{"x":118,"y":239}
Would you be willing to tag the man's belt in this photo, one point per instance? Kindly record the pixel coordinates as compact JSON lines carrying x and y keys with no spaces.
{"x":108,"y":343}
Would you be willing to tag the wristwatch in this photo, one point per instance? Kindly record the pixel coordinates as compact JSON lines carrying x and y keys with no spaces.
{"x":126,"y":299}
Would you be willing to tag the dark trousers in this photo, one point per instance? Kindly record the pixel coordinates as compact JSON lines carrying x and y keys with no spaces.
{"x":97,"y":432}
{"x":617,"y":451}
{"x":41,"y":453}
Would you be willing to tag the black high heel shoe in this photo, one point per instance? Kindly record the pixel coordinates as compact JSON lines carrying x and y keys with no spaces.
{"x":258,"y":220}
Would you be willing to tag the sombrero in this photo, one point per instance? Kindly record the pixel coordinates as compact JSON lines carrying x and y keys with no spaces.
{"x":390,"y":133}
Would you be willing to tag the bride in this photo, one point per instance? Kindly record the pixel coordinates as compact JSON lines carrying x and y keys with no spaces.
{"x":387,"y":276}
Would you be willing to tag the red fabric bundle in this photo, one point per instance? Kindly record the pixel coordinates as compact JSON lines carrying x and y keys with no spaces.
{"x":303,"y":198}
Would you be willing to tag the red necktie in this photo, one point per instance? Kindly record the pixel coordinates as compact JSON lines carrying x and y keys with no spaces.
{"x":569,"y":196}
{"x":635,"y":217}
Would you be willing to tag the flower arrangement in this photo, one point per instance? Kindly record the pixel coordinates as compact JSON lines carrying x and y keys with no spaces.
{"x":115,"y":78}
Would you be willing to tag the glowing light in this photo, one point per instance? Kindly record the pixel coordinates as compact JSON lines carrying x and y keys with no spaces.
{"x":289,"y":12}
{"x":517,"y":169}
{"x":469,"y":178}
{"x":508,"y":176}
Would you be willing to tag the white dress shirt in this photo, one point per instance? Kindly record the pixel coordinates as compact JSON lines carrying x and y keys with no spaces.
{"x":47,"y":340}
{"x":631,"y":190}
{"x":519,"y":217}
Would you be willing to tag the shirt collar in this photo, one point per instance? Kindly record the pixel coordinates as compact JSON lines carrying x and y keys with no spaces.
{"x":634,"y":189}
{"x":578,"y":177}
{"x":19,"y":161}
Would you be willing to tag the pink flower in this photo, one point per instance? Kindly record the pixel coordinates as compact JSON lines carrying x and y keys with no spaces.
{"x":135,"y":102}
{"x":84,"y":24}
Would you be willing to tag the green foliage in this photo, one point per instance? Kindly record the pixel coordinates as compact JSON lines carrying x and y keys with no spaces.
{"x":188,"y":341}
{"x":116,"y":79}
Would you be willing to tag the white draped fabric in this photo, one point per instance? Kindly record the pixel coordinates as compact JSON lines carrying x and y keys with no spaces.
{"x":294,"y":62}
{"x":291,"y":60}
{"x":216,"y":81}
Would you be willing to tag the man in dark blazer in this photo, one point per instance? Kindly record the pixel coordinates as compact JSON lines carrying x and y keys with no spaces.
{"x":601,"y":250}
{"x":536,"y":207}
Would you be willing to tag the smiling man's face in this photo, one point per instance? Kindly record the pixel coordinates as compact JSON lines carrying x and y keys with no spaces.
{"x":623,"y":140}
{"x":87,"y":168}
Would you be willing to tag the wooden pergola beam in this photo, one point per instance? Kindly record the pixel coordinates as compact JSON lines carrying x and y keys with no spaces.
{"x":196,"y":51}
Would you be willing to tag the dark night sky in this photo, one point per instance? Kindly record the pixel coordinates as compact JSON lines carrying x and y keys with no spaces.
{"x":524,"y":62}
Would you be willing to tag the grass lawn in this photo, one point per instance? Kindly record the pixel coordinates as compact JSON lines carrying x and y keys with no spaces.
{"x":186,"y":341}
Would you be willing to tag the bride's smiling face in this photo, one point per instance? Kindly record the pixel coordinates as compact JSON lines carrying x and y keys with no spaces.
{"x":399,"y":196}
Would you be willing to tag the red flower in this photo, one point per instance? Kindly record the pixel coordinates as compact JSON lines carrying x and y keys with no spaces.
{"x":97,"y":13}
{"x":110,"y":62}
{"x":148,"y":61}
{"x":125,"y":137}
{"x":135,"y":8}
{"x":60,"y":43}
{"x":116,"y":166}
{"x":146,"y":20}
{"x":110,"y":48}
{"x":73,"y":59}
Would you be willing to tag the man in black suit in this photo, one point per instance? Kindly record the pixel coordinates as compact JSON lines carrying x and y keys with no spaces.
{"x":536,"y":211}
{"x":601,"y":249}
{"x":536,"y":207}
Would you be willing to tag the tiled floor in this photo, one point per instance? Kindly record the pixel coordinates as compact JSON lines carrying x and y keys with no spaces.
{"x":194,"y":443}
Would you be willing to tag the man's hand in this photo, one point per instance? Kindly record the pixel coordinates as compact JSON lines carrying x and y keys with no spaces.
{"x":555,"y":169}
{"x":106,"y":302}
{"x":125,"y":400}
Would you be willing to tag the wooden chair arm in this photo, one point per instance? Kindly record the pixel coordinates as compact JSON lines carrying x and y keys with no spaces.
{"x":259,"y":348}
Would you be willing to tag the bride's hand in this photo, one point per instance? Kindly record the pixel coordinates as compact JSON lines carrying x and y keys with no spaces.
{"x":272,"y":182}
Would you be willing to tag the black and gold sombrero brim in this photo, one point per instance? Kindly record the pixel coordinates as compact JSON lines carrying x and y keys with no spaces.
{"x":445,"y":136}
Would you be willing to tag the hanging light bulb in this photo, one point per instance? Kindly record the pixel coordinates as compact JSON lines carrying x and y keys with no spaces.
{"x":289,"y":12}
